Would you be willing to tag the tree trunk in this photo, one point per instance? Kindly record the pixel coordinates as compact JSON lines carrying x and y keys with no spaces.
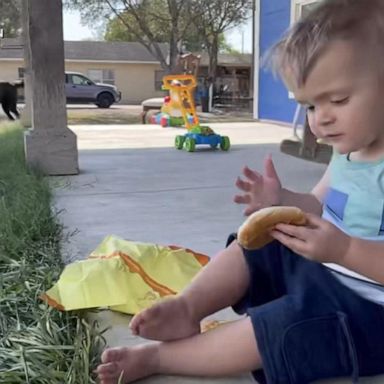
{"x":173,"y":50}
{"x":213,"y":52}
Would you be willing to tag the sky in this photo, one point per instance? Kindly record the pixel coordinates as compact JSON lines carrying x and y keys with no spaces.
{"x":73,"y":30}
{"x":239,"y":38}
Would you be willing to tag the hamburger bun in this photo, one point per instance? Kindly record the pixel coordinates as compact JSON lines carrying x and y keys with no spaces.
{"x":254,"y":232}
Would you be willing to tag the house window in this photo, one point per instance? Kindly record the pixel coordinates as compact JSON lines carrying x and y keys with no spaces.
{"x":106,"y":76}
{"x":301,"y":8}
{"x":20,"y":72}
{"x":159,"y":79}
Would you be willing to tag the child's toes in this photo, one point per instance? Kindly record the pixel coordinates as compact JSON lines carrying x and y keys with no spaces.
{"x":112,"y":355}
{"x":107,"y":369}
{"x":135,"y":323}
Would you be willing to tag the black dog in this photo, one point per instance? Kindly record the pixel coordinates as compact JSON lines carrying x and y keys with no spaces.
{"x":8,"y":99}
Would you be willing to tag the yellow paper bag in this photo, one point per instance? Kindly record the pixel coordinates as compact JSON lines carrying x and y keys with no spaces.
{"x":125,"y":276}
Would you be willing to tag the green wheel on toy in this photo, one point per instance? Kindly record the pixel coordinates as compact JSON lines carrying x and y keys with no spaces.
{"x":179,"y":142}
{"x":190,"y":144}
{"x":225,"y":144}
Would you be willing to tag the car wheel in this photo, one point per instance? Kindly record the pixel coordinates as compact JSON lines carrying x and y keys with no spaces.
{"x":104,"y":100}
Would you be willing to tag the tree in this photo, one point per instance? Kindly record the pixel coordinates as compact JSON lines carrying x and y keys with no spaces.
{"x":212,"y":18}
{"x":10,"y":17}
{"x":147,"y":21}
{"x":198,"y":24}
{"x":192,"y":40}
{"x":116,"y":30}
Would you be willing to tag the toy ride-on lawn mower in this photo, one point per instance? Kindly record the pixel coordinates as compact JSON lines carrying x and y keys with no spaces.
{"x":201,"y":135}
{"x":179,"y":106}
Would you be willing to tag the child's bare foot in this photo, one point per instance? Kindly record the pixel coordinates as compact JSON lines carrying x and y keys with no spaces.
{"x":170,"y":319}
{"x":129,"y":364}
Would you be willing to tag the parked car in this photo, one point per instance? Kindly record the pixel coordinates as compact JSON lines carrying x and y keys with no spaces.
{"x":81,"y":89}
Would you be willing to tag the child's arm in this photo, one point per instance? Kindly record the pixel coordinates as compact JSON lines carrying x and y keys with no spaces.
{"x":365,"y":257}
{"x":308,"y":202}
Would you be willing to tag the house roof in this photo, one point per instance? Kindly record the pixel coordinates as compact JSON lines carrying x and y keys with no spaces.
{"x":229,"y":59}
{"x":115,"y":52}
{"x":11,"y":43}
{"x":90,"y":51}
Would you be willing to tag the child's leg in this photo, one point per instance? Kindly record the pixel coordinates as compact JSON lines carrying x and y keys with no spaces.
{"x":227,"y":350}
{"x":220,"y":284}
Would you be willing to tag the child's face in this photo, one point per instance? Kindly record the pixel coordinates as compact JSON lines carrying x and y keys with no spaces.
{"x":345,"y":98}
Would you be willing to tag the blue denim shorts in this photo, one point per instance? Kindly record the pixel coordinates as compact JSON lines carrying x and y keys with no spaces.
{"x":308,"y":325}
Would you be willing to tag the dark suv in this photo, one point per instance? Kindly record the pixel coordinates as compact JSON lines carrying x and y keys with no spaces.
{"x":80,"y":89}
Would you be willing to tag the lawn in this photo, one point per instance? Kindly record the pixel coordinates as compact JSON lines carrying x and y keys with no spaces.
{"x":119,"y":114}
{"x":113,"y":115}
{"x":38,"y":344}
{"x":122,"y":114}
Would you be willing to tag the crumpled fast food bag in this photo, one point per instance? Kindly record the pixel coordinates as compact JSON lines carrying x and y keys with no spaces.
{"x":125,"y":276}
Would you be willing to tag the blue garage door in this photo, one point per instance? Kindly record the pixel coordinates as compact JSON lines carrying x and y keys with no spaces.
{"x":274,"y":103}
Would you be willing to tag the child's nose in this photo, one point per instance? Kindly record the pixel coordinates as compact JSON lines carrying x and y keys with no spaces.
{"x":323,"y":117}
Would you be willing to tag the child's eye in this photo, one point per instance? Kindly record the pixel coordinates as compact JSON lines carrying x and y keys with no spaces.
{"x":344,"y":100}
{"x":310,"y":108}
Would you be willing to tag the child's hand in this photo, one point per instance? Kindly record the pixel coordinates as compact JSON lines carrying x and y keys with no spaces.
{"x":260,"y":191}
{"x":318,"y":240}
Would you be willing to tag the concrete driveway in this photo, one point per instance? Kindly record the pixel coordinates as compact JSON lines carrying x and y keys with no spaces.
{"x":132,"y":179}
{"x":134,"y":184}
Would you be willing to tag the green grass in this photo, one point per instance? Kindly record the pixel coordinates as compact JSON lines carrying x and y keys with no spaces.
{"x":133,"y":116}
{"x":38,"y":344}
{"x":102,"y":116}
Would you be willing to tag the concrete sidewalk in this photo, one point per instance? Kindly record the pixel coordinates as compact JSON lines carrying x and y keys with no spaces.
{"x":134,"y":184}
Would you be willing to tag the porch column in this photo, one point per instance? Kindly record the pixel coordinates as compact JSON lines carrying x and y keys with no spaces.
{"x":50,"y":145}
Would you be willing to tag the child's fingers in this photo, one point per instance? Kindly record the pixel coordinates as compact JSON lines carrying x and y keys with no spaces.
{"x":296,"y":231}
{"x":242,"y":199}
{"x":293,"y":243}
{"x":251,"y":174}
{"x":269,"y":168}
{"x":243,"y":185}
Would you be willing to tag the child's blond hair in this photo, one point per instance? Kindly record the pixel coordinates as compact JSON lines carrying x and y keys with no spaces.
{"x":360,"y":21}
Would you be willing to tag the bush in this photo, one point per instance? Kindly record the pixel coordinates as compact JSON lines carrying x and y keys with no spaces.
{"x":38,"y":344}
